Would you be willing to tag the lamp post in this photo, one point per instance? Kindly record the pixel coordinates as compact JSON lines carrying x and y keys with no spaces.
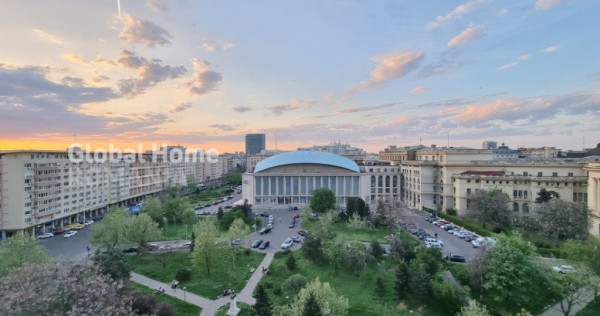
{"x":184,"y":294}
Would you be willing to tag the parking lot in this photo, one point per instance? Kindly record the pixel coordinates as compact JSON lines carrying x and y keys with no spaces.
{"x":280,"y":231}
{"x":68,"y":248}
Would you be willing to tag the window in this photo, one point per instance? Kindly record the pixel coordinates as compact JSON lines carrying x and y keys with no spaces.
{"x":514,"y":193}
{"x":570,"y":174}
{"x":525,"y":173}
{"x":539,"y":174}
{"x":257,"y":185}
{"x":468,"y":191}
{"x":555,"y":174}
{"x":526,"y":207}
{"x":515,"y":207}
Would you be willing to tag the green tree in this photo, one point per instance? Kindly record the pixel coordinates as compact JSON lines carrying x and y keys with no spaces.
{"x":234,"y":178}
{"x":544,"y":196}
{"x":322,"y":200}
{"x":355,"y":222}
{"x":357,"y":258}
{"x":570,"y":288}
{"x":325,"y":222}
{"x":335,"y":255}
{"x":290,"y":262}
{"x":402,"y":285}
{"x":328,"y":300}
{"x":562,"y":220}
{"x":193,"y":242}
{"x":356,"y":205}
{"x":20,"y":250}
{"x":206,"y":248}
{"x":474,"y":309}
{"x":379,"y":288}
{"x":420,"y":282}
{"x":489,"y":208}
{"x":153,"y":207}
{"x":587,"y":253}
{"x":430,"y":258}
{"x":140,"y":230}
{"x":449,"y":298}
{"x":110,"y":232}
{"x":191,"y":182}
{"x":113,"y":264}
{"x":313,"y":248}
{"x":383,"y":214}
{"x":402,"y":248}
{"x":220,"y":213}
{"x":237,"y":231}
{"x":376,"y":249}
{"x":293,"y":284}
{"x":262,"y":307}
{"x":175,"y":209}
{"x":311,"y":306}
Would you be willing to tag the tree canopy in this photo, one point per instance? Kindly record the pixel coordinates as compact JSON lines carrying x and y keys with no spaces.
{"x":561,"y":220}
{"x":329,"y":302}
{"x":20,"y":250}
{"x":489,"y":208}
{"x":205,"y":246}
{"x":544,"y":196}
{"x":356,"y":205}
{"x":322,"y":200}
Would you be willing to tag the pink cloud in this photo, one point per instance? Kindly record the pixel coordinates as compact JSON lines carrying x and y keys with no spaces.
{"x":473,"y":32}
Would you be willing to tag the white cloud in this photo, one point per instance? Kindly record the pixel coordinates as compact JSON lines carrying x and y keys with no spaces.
{"x":388,"y":67}
{"x":143,"y":32}
{"x":418,"y":89}
{"x":209,"y":46}
{"x":223,"y":127}
{"x":227,"y":46}
{"x":150,"y":72}
{"x":47,"y":37}
{"x":526,"y":57}
{"x":180,"y":107}
{"x":546,"y":4}
{"x":473,"y":32}
{"x":367,"y":108}
{"x":295,"y":104}
{"x":205,"y":79}
{"x":457,"y":13}
{"x":551,"y":49}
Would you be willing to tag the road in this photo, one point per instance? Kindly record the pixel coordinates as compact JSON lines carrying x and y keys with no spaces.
{"x":280,"y":230}
{"x":68,"y":248}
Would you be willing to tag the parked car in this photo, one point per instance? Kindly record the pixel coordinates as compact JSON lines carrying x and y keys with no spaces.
{"x":431,"y":219}
{"x":456,"y":258}
{"x":236,"y":242}
{"x":434,"y":244}
{"x":70,"y":233}
{"x":565,"y":269}
{"x":228,"y":206}
{"x":448,"y":227}
{"x":264,"y":245}
{"x":485,"y":241}
{"x":287,"y":243}
{"x":302,"y":232}
{"x":457,"y":232}
{"x":215,"y":203}
{"x":199,"y":207}
{"x":271,"y":217}
{"x":296,"y":239}
{"x":46,"y":235}
{"x":441,"y":223}
{"x":129,"y":250}
{"x":296,"y":215}
{"x":292,"y":225}
{"x":76,"y":226}
{"x":88,"y":222}
{"x":207,"y":205}
{"x":257,"y":243}
{"x":264,"y":214}
{"x":413,"y":230}
{"x":58,"y":231}
{"x":463,"y":235}
{"x":264,"y":230}
{"x":471,"y":238}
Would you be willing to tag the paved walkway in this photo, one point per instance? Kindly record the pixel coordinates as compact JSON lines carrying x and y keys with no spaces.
{"x":209,"y":307}
{"x":585,"y":298}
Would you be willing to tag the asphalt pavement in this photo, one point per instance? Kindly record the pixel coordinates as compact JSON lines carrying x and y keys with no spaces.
{"x":68,"y":248}
{"x":280,"y":231}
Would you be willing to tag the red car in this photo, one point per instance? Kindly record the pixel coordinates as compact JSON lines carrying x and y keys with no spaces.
{"x":296,"y":215}
{"x":58,"y":231}
{"x":215,"y":202}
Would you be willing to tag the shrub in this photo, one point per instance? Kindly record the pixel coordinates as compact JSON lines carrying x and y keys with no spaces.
{"x":142,"y":304}
{"x":267,"y":284}
{"x":293,"y":284}
{"x":164,"y":309}
{"x":452,"y":211}
{"x":291,"y":263}
{"x":183,"y":274}
{"x":284,"y":253}
{"x":247,"y":251}
{"x":277,"y":290}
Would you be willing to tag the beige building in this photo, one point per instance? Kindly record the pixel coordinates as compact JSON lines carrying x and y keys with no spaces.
{"x":593,"y":170}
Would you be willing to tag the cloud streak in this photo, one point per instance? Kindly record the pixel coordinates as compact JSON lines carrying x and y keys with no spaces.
{"x":223,"y":127}
{"x":527,"y":57}
{"x":388,"y":67}
{"x":291,"y":106}
{"x":180,"y":107}
{"x":472,"y":33}
{"x":242,"y":109}
{"x":457,"y":13}
{"x":143,"y":32}
{"x":367,"y":108}
{"x":547,"y":4}
{"x":418,"y":89}
{"x":47,"y":37}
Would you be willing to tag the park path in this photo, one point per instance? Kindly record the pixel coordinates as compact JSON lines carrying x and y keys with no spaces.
{"x":586,"y":297}
{"x":209,"y":307}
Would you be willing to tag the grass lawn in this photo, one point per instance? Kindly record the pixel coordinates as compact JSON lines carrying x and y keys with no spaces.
{"x":593,"y":308}
{"x":360,"y":291}
{"x":343,"y":232}
{"x":163,"y":267}
{"x":207,"y":196}
{"x":181,"y":308}
{"x":245,"y":309}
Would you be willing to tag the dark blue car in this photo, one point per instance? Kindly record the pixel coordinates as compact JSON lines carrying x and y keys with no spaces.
{"x":199,"y":207}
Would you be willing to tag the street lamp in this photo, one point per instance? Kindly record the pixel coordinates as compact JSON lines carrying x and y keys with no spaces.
{"x":184,"y":294}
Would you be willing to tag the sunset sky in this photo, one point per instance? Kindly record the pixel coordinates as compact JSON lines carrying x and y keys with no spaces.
{"x":371,"y":73}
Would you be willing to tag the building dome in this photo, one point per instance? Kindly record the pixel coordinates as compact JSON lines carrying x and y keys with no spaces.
{"x":306,"y":157}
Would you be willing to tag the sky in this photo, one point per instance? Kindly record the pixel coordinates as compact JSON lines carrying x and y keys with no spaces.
{"x":203,"y":74}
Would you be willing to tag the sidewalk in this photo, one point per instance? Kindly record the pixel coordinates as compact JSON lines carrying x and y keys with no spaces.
{"x":582,"y":302}
{"x":209,"y":307}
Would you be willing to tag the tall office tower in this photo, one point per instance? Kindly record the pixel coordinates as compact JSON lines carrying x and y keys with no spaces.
{"x":254,"y":143}
{"x":490,"y":145}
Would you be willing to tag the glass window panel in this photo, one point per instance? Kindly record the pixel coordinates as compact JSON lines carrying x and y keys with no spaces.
{"x":265,"y":181}
{"x":348,"y":186}
{"x":296,"y":187}
{"x":333,"y":186}
{"x":340,"y":185}
{"x":280,"y":186}
{"x":303,"y":185}
{"x":355,"y":185}
{"x":288,"y":185}
{"x":318,"y":182}
{"x":326,"y":182}
{"x":257,"y":185}
{"x":273,"y":185}
{"x":310,"y":184}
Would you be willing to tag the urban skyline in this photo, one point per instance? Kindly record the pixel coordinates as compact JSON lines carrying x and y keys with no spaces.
{"x":373,"y":75}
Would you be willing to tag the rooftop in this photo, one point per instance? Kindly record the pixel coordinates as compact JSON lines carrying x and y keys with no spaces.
{"x":306,"y":157}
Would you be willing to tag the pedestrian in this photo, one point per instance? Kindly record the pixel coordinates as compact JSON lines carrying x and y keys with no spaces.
{"x":88,"y":248}
{"x":280,"y":219}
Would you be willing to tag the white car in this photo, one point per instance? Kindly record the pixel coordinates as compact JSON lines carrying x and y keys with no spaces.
{"x":88,"y":222}
{"x":46,"y":235}
{"x":486,"y":241}
{"x":564,"y":269}
{"x":434,"y":244}
{"x":70,"y":233}
{"x":287,"y":243}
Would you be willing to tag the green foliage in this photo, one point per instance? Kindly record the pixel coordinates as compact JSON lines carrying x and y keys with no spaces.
{"x":420,"y":282}
{"x":193,"y":242}
{"x":383,"y":214}
{"x":113,"y":263}
{"x":448,"y":298}
{"x":262,"y":307}
{"x":376,"y":250}
{"x":20,"y":250}
{"x":291,"y":263}
{"x":586,"y":252}
{"x":356,"y":205}
{"x":335,"y":255}
{"x":111,"y":230}
{"x":153,"y":207}
{"x":175,"y":210}
{"x":313,"y":248}
{"x":293,"y":284}
{"x":283,"y":253}
{"x":474,"y":309}
{"x":139,"y":230}
{"x":220,"y":213}
{"x":228,"y":219}
{"x":322,"y":200}
{"x":489,"y":208}
{"x":311,"y":306}
{"x":379,"y":287}
{"x":429,"y":258}
{"x":183,"y":274}
{"x":452,"y":211}
{"x":463,"y":222}
{"x":403,"y":247}
{"x":357,"y":257}
{"x":402,"y":285}
{"x":553,"y":215}
{"x":544,"y":196}
{"x":325,"y":296}
{"x":234,"y":178}
{"x":205,"y":247}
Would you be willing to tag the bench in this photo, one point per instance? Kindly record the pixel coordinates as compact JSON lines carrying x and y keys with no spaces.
{"x":252,"y":270}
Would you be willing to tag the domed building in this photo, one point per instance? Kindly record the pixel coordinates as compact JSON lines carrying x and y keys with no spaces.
{"x":290,"y":179}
